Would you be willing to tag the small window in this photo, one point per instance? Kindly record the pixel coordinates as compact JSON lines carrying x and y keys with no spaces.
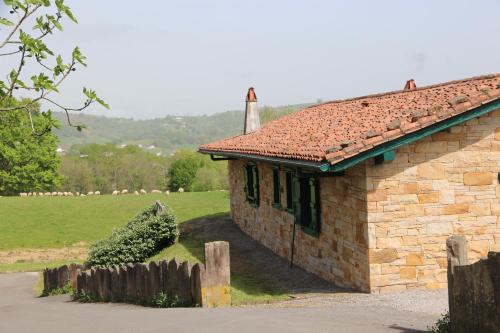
{"x":306,"y":203}
{"x":289,"y":190}
{"x":276,"y":187}
{"x":252,"y":184}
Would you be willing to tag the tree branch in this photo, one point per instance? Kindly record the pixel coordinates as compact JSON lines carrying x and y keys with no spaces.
{"x":27,"y":13}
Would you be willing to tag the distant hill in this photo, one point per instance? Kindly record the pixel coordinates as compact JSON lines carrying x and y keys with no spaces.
{"x":163,"y":135}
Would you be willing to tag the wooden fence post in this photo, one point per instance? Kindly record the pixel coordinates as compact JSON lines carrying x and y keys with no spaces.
{"x":456,"y":252}
{"x":216,"y":282}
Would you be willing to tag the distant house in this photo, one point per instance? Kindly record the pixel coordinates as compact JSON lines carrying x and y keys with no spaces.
{"x":373,"y":185}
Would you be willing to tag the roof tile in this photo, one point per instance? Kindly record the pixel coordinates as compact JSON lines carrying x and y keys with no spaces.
{"x":336,"y":130}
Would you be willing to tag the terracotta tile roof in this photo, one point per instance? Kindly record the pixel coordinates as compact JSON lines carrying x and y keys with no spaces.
{"x":337,"y":130}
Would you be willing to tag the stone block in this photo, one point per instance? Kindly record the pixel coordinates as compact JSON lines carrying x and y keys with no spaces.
{"x":455,"y":209}
{"x":386,"y":255}
{"x":478,"y":178}
{"x":431,"y":171}
{"x":408,"y":272}
{"x":431,"y":147}
{"x":479,"y":248}
{"x":377,"y":195}
{"x":415,"y":259}
{"x":439,"y":228}
{"x":497,"y":134}
{"x":447,"y":197}
{"x":480,"y":209}
{"x":389,"y":242}
{"x":428,"y":197}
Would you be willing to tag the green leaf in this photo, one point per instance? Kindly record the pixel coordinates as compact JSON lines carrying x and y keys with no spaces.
{"x":42,"y":81}
{"x":78,"y":56}
{"x":4,"y":21}
{"x":66,"y":10}
{"x":55,"y":22}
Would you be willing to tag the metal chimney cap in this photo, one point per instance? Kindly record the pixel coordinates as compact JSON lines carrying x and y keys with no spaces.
{"x":251,"y":97}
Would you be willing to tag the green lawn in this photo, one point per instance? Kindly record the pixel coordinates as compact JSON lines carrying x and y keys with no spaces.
{"x":53,"y":222}
{"x":246,"y":286}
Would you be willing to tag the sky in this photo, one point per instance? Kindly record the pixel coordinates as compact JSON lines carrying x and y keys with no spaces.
{"x":151,"y":58}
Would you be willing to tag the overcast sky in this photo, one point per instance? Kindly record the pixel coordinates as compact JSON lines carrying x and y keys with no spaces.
{"x":152,"y":58}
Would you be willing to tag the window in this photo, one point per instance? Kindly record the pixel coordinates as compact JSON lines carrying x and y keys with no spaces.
{"x":252,"y":184}
{"x":306,"y":203}
{"x":276,"y":187}
{"x":289,"y":190}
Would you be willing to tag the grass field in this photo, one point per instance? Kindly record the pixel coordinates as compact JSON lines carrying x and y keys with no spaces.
{"x":53,"y":222}
{"x":59,"y":222}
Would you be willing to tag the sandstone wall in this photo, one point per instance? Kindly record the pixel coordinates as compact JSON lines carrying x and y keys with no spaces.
{"x":339,"y":254}
{"x":442,"y":185}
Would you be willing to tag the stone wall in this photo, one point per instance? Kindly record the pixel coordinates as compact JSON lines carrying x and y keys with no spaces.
{"x":339,"y":254}
{"x":441,"y":185}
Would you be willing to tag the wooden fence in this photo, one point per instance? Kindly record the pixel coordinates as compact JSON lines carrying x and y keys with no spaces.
{"x":206,"y":285}
{"x":473,"y":290}
{"x":55,"y":278}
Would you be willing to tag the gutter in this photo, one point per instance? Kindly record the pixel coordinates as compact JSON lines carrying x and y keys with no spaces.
{"x":386,"y":147}
{"x":317,"y":166}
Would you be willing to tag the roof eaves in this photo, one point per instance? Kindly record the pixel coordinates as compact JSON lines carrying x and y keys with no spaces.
{"x":413,"y":136}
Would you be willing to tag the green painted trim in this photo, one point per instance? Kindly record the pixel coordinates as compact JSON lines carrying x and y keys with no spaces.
{"x":389,"y":155}
{"x":415,"y":136}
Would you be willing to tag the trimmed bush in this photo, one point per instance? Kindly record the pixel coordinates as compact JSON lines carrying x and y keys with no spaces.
{"x":145,"y":235}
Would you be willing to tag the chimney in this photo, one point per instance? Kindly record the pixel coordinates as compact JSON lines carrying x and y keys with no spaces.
{"x":410,"y":85}
{"x":252,"y":120}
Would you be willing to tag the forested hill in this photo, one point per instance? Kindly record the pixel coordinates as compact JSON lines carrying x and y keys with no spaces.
{"x":166,"y":134}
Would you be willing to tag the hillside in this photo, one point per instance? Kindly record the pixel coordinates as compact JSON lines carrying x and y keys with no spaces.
{"x":166,"y":134}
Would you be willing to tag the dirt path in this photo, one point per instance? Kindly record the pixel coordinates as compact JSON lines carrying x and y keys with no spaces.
{"x":76,"y":252}
{"x":21,"y":312}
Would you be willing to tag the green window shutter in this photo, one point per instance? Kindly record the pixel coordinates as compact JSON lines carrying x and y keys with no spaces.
{"x":276,"y":186}
{"x":255,"y":175}
{"x":297,"y":209}
{"x":289,"y":191}
{"x":314,"y":204}
{"x":245,"y":187}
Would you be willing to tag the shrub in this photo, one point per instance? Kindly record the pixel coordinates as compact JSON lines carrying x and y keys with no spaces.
{"x":442,"y":325}
{"x":146,"y":234}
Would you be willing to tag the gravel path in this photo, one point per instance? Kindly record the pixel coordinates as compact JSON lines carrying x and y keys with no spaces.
{"x":417,"y":301}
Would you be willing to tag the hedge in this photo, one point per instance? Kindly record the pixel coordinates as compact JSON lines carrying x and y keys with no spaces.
{"x":145,"y":235}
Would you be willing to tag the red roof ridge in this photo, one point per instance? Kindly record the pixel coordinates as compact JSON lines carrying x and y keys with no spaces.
{"x":393,"y":92}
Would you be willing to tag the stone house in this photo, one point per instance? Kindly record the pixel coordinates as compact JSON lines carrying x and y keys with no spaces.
{"x":364,"y":192}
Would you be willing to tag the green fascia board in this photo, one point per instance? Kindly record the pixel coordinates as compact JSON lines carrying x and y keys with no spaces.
{"x":415,"y":136}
